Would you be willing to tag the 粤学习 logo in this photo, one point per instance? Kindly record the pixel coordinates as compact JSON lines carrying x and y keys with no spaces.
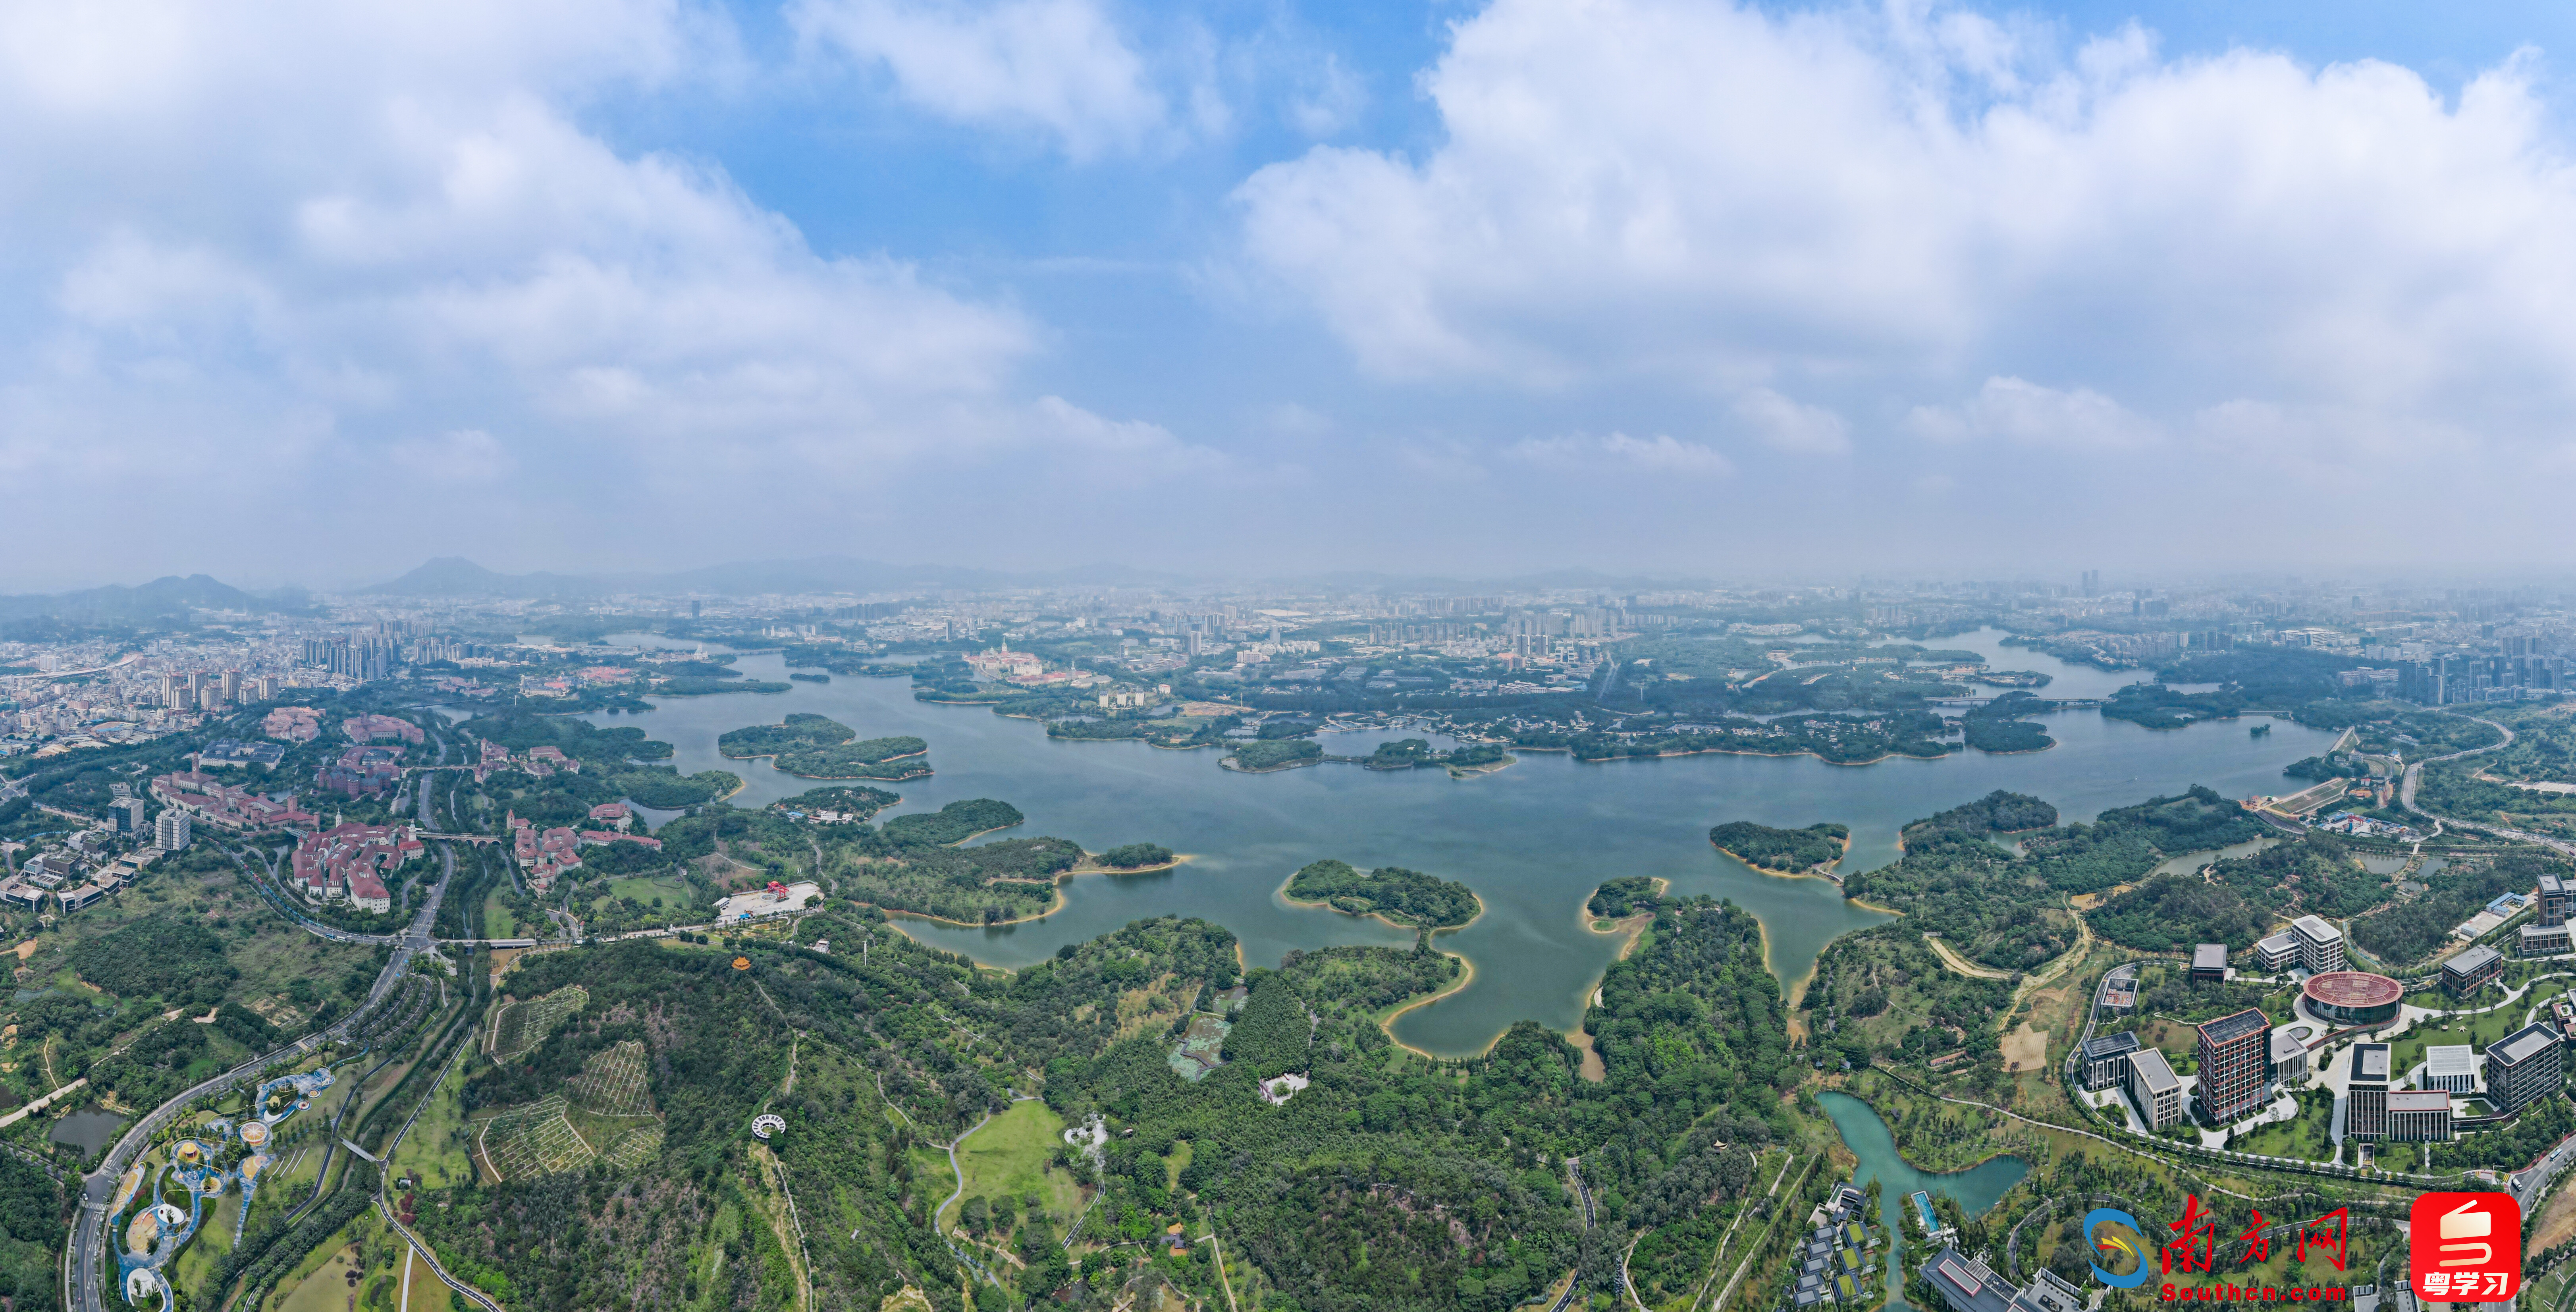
{"x":2465,"y":1247}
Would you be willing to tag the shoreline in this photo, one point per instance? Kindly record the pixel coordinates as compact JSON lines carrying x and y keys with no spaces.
{"x":1390,"y":922}
{"x":1737,"y":751}
{"x":1466,"y":976}
{"x":1819,"y":870}
{"x":1055,"y":903}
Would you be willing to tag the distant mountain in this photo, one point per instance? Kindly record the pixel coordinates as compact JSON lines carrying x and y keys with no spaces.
{"x":455,"y":576}
{"x":168,"y":595}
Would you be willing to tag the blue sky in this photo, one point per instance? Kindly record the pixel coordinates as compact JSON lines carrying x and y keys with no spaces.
{"x":1269,"y":287}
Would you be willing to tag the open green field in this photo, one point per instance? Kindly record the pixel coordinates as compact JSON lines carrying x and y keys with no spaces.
{"x":1010,"y":1155}
{"x":436,"y":1149}
{"x":644,"y":889}
{"x":497,"y":920}
{"x":2478,"y":1031}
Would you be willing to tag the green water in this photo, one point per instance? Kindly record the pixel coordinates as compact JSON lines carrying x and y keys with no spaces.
{"x":1974,"y":1189}
{"x":1532,"y":840}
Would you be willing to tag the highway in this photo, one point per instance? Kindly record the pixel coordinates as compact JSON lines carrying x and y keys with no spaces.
{"x":90,"y":1264}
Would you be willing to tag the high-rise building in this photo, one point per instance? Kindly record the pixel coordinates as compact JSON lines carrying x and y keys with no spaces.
{"x":2524,"y":1066}
{"x":129,"y":814}
{"x":697,"y":608}
{"x":232,"y":686}
{"x":196,"y":687}
{"x":2366,"y":1096}
{"x":1197,"y":644}
{"x":172,"y":831}
{"x":2153,"y":1088}
{"x":2235,"y":1062}
{"x":2557,"y":899}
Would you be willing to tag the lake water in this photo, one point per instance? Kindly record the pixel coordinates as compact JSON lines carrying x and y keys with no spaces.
{"x":1974,"y":1189}
{"x":88,"y":1131}
{"x":1532,"y":840}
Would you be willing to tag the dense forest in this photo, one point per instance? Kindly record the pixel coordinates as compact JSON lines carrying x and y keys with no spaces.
{"x":1784,"y":850}
{"x":1406,"y":897}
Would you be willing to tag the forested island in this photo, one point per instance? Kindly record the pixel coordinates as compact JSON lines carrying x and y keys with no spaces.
{"x":1400,"y":896}
{"x":819,"y":747}
{"x":1782,"y":851}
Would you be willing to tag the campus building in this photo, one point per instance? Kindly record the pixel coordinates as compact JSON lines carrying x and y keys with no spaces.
{"x":1969,"y":1285}
{"x":2106,"y":1060}
{"x":2523,"y":1066}
{"x":2541,"y":940}
{"x":2557,"y":900}
{"x":2234,"y":1052}
{"x":2209,"y":963}
{"x":2472,"y":970}
{"x":2366,"y":1099}
{"x":2451,"y":1068}
{"x":2277,"y":953}
{"x":2419,"y":1116}
{"x":2320,"y":944}
{"x":2289,"y":1055}
{"x":2155,"y":1089}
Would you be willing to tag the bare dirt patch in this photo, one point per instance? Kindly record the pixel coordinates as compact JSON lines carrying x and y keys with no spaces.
{"x":2026,"y":1049}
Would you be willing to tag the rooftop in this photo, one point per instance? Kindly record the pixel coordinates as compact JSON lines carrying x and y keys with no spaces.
{"x":2109,"y":1045}
{"x":2353,"y":988}
{"x":2412,"y":1100}
{"x":2235,"y":1025}
{"x":2370,"y":1061}
{"x":2450,"y":1059}
{"x":2316,"y":930}
{"x":2472,"y":961}
{"x":2209,"y":956}
{"x":2153,"y":1071}
{"x":2524,"y":1044}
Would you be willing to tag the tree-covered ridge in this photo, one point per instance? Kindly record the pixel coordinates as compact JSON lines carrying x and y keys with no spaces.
{"x":1275,"y":754}
{"x":157,"y":957}
{"x":1406,"y":897}
{"x":799,"y":730}
{"x":861,"y":802}
{"x":1786,"y":850}
{"x":2005,"y":910}
{"x":594,"y":747}
{"x":1998,"y":725}
{"x":2411,"y":932}
{"x":2173,"y":912}
{"x":1622,"y":897}
{"x":1883,"y":993}
{"x":1136,"y":856}
{"x":1845,"y":739}
{"x":2156,"y":706}
{"x":954,"y":823}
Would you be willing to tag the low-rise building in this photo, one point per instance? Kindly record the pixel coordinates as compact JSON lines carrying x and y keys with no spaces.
{"x":2537,"y":940}
{"x":2419,"y":1116}
{"x":2105,"y":1059}
{"x":2209,"y":963}
{"x":2320,"y":944}
{"x":2524,"y":1066}
{"x":348,"y":863}
{"x":2472,"y":970}
{"x":370,"y":728}
{"x":2289,"y":1056}
{"x":2155,"y":1089}
{"x":1968,"y":1285}
{"x":2451,"y":1068}
{"x":2277,"y":953}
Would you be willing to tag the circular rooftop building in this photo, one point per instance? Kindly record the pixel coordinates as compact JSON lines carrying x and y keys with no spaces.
{"x":2346,"y":998}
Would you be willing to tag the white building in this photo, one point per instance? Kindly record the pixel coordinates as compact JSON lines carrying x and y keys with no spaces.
{"x":2320,"y":944}
{"x":171,"y":830}
{"x":2451,"y":1068}
{"x":2154,"y":1088}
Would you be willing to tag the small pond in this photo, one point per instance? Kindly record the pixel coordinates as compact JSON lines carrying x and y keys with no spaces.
{"x":1974,"y":1189}
{"x":88,"y":1131}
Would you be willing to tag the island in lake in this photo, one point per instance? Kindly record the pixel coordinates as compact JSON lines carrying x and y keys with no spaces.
{"x":1781,"y":851}
{"x":1399,"y":896}
{"x":820,"y":747}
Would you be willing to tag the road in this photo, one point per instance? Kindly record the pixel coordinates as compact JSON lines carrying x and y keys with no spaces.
{"x":2415,"y":773}
{"x":89,"y":1236}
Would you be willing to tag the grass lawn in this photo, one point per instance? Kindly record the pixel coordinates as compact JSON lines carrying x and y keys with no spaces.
{"x":497,"y":920}
{"x":197,"y":1261}
{"x":1010,"y":1155}
{"x":437,"y":1146}
{"x":2478,"y":1031}
{"x":645,"y":888}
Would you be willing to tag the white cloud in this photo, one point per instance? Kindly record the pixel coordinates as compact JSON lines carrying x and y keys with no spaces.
{"x":1793,"y":426}
{"x":260,"y":258}
{"x":1904,"y":203}
{"x":1620,"y":454}
{"x":2022,"y":412}
{"x":1060,"y":67}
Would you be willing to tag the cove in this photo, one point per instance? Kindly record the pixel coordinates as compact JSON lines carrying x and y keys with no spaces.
{"x":1532,"y":840}
{"x":1974,"y":1189}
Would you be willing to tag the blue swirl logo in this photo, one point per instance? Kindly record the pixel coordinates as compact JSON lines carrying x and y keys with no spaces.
{"x":2124,"y":1243}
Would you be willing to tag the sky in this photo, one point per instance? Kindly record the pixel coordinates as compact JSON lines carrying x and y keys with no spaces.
{"x":309,"y":292}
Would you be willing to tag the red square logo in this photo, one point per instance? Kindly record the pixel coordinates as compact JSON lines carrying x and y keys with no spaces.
{"x":2465,"y":1248}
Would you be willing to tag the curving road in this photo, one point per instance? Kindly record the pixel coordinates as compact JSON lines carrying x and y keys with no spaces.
{"x":89,"y":1256}
{"x":2415,"y":773}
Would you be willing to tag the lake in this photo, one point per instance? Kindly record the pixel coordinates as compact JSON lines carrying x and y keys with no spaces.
{"x":1532,"y":840}
{"x":88,"y":1131}
{"x":1974,"y":1189}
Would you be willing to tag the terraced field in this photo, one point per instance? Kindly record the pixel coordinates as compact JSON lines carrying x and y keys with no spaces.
{"x":612,"y":1083}
{"x":634,"y":1148}
{"x":520,"y":1026}
{"x":534,"y":1140}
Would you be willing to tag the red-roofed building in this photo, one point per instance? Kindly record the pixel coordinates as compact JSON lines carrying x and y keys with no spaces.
{"x":368,"y":728}
{"x":602,"y":837}
{"x":236,"y":809}
{"x":613,"y":813}
{"x":348,"y":862}
{"x":294,"y":724}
